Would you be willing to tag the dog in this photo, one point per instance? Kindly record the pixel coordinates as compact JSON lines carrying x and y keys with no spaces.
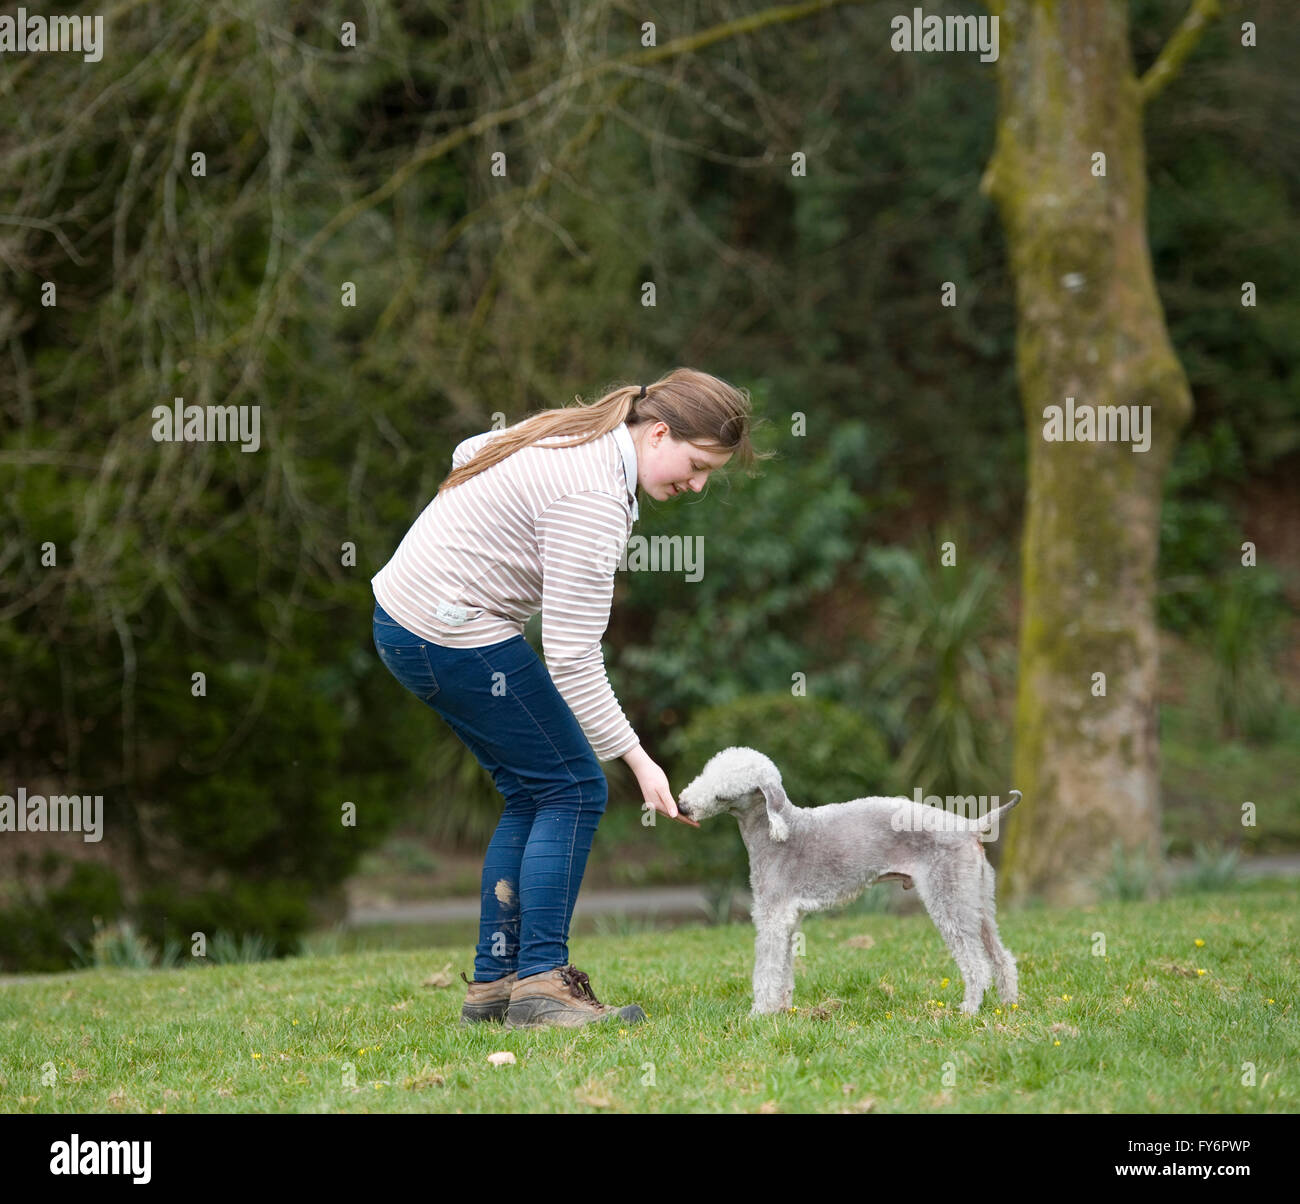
{"x":804,"y":859}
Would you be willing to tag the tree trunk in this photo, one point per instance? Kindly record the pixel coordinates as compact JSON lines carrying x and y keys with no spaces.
{"x":1089,"y":327}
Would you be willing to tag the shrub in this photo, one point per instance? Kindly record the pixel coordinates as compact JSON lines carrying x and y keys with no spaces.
{"x":37,"y":931}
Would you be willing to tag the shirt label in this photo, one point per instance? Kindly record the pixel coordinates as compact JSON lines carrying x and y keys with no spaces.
{"x":455,"y":615}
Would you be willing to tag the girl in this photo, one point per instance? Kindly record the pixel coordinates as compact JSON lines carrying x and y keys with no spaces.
{"x":536,"y":517}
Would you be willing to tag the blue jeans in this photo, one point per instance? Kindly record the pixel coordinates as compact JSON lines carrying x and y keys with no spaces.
{"x":502,"y":703}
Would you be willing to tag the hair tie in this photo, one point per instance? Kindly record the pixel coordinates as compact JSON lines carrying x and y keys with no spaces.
{"x":641,"y":394}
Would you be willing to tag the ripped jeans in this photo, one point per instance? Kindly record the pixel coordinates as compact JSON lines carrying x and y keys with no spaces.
{"x":502,"y":703}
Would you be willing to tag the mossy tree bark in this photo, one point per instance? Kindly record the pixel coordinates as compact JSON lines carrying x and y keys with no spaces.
{"x":1089,"y":326}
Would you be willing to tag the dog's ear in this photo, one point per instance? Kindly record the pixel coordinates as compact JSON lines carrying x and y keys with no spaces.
{"x":778,"y":811}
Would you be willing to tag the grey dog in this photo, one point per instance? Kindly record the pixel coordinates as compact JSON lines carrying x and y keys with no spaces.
{"x":805,"y":859}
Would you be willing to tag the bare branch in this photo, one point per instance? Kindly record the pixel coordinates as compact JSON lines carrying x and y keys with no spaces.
{"x":36,"y":223}
{"x":266,"y":317}
{"x":1181,"y":44}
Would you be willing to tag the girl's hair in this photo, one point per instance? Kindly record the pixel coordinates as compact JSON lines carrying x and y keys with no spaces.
{"x":697,"y":408}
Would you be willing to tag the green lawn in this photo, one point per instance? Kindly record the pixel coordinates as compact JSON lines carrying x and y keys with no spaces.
{"x":1159,"y":1024}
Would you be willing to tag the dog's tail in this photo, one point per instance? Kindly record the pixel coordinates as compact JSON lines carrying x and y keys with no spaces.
{"x":985,"y":822}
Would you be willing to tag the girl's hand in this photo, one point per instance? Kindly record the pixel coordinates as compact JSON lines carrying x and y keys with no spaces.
{"x":656,"y":792}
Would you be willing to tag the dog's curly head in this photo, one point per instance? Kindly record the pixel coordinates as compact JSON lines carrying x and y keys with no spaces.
{"x":736,"y":780}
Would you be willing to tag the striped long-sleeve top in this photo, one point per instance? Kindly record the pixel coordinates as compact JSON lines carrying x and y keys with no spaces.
{"x":545,"y":530}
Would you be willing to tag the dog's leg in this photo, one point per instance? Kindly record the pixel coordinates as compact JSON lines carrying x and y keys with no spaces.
{"x":773,"y":961}
{"x":952,"y":898}
{"x":787,"y":965}
{"x":1004,"y":965}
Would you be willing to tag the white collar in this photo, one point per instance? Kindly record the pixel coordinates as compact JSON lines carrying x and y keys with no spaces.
{"x":625,"y":444}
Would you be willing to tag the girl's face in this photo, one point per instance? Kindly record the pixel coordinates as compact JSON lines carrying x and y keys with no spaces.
{"x":666,"y":467}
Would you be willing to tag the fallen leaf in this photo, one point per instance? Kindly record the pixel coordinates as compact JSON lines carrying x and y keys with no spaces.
{"x":591,"y":1095}
{"x":823,"y":1010}
{"x":865,"y":1104}
{"x":441,"y":978}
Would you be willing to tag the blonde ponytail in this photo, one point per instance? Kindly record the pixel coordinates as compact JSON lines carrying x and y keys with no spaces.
{"x":696,"y":407}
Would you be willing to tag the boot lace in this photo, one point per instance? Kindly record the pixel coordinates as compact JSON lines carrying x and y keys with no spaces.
{"x":578,"y":983}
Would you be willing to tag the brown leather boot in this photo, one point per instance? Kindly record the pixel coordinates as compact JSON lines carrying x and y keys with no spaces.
{"x":486,"y":1000}
{"x":562,"y":998}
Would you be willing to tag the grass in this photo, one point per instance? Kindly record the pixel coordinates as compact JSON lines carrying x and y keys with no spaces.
{"x":1138,"y":1029}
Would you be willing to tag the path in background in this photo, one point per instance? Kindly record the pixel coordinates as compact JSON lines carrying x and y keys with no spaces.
{"x":693,"y":900}
{"x":682,"y":902}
